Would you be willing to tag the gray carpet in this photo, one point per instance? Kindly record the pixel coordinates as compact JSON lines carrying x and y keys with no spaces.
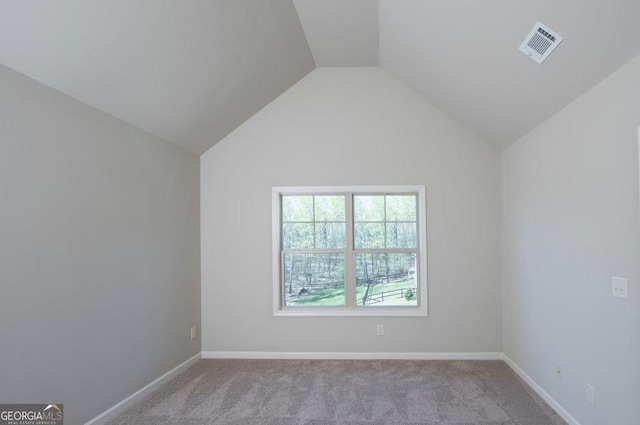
{"x":332,"y":392}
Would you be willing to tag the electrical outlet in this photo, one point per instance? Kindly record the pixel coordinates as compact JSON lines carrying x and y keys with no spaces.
{"x":619,"y":287}
{"x":559,"y":372}
{"x":194,"y":332}
{"x":591,"y":394}
{"x":380,"y":330}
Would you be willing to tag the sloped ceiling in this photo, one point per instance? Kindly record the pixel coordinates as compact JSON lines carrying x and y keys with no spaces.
{"x":192,"y":71}
{"x":189,"y":72}
{"x":463,"y":56}
{"x":341,"y":32}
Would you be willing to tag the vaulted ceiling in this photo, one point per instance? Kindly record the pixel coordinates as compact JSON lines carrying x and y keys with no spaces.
{"x":192,"y":71}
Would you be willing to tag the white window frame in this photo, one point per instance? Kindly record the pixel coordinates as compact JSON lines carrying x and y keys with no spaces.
{"x":279,"y":309}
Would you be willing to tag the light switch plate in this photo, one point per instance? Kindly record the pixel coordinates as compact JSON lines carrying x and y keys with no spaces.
{"x":619,"y":287}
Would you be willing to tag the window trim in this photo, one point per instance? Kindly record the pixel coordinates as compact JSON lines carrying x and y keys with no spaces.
{"x":279,"y":309}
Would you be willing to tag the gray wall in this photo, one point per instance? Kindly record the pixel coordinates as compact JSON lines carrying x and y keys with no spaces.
{"x":351,"y":126}
{"x":570,"y":223}
{"x":99,"y":252}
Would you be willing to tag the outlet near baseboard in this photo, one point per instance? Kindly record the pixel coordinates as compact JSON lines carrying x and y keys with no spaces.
{"x":194,"y":332}
{"x":591,"y":394}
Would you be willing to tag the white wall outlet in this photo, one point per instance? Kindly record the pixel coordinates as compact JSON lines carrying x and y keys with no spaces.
{"x":619,"y":287}
{"x":194,"y":332}
{"x":559,"y":372}
{"x":380,"y":330}
{"x":591,"y":394}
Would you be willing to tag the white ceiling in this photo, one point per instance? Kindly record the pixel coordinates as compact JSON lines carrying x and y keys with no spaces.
{"x":189,"y":72}
{"x":463,"y":56}
{"x":192,"y":71}
{"x":341,"y":32}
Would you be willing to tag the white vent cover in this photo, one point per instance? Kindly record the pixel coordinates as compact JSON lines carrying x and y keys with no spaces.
{"x":540,"y":42}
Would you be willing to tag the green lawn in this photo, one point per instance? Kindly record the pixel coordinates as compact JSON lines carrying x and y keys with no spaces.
{"x":335,"y":296}
{"x":325,"y":296}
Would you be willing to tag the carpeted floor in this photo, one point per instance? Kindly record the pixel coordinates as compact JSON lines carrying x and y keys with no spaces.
{"x":332,"y":392}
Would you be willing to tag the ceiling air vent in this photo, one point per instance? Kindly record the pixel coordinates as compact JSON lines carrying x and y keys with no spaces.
{"x":540,"y":42}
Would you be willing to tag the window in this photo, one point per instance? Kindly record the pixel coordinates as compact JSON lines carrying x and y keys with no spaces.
{"x":349,"y":251}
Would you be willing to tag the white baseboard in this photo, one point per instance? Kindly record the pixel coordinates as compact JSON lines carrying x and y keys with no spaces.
{"x":541,"y":392}
{"x":114,"y":411}
{"x":347,"y":356}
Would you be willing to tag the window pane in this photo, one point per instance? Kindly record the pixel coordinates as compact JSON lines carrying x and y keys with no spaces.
{"x":297,"y":236}
{"x":330,"y":208}
{"x":331,"y":236}
{"x":368,"y":208}
{"x":386,"y":279}
{"x":297,"y":208}
{"x":402,"y":235}
{"x":314,"y":279}
{"x":401,"y":208}
{"x":369,"y":235}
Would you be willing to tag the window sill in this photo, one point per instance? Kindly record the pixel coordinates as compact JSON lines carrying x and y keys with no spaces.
{"x":351,"y":312}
